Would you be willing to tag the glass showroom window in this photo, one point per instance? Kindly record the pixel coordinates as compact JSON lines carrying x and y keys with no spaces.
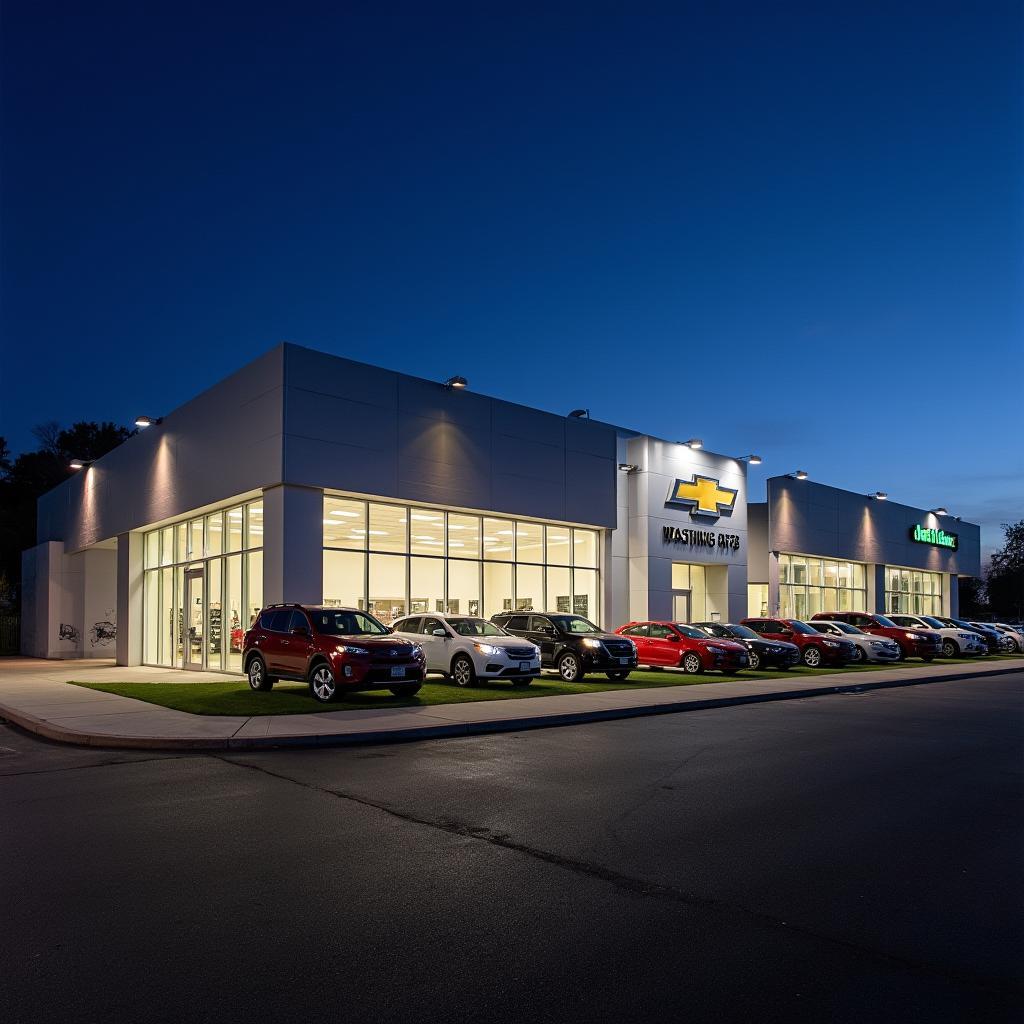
{"x":912,"y":591}
{"x":808,"y":585}
{"x":395,"y":559}
{"x":223,"y":551}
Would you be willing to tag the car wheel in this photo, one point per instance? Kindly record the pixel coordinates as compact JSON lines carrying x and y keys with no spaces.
{"x":522,"y":682}
{"x":323,"y":687}
{"x":755,"y":661}
{"x":812,"y":657}
{"x":406,"y":689}
{"x":258,"y":678}
{"x":949,"y":649}
{"x":617,"y":675}
{"x":569,"y":668}
{"x":858,"y":655}
{"x":692,"y":665}
{"x":463,"y":672}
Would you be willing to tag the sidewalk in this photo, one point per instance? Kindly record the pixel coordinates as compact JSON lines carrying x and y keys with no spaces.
{"x":35,"y":696}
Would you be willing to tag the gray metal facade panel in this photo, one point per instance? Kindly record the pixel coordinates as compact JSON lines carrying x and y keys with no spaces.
{"x":442,"y":447}
{"x":812,"y":518}
{"x":225,"y":441}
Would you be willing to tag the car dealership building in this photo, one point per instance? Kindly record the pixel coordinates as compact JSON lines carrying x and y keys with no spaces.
{"x":310,"y":478}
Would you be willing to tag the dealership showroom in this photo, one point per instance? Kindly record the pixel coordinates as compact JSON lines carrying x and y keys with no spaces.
{"x":306,"y":477}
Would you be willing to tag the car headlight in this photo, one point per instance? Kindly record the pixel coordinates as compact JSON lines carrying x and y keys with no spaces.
{"x":350,"y":649}
{"x":879,"y":643}
{"x":591,"y":642}
{"x":914,"y":636}
{"x":831,"y":643}
{"x":717,"y":649}
{"x":488,"y":649}
{"x":965,"y":636}
{"x":417,"y":651}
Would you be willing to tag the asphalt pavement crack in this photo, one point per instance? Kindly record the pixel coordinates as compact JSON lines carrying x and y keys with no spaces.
{"x":644,"y":888}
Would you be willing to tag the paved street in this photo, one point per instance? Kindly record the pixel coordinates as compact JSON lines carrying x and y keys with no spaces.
{"x":854,"y":857}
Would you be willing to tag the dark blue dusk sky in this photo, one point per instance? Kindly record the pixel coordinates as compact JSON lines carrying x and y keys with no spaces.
{"x":791,"y":229}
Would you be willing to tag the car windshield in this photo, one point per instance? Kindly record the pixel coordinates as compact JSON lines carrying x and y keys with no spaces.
{"x":714,"y":629}
{"x":342,"y":623}
{"x":801,"y":627}
{"x":744,"y":632}
{"x":845,"y":627}
{"x":691,"y":631}
{"x":475,"y":627}
{"x":962,"y":624}
{"x":883,"y":621}
{"x":574,"y":624}
{"x":933,"y":622}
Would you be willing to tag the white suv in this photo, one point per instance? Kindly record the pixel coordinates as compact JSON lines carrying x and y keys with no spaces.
{"x":955,"y":641}
{"x":468,"y":649}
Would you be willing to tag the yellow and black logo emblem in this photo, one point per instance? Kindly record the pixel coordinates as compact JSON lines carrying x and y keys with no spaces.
{"x":703,"y":496}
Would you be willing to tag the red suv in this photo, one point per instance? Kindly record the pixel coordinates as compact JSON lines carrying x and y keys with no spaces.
{"x":913,"y":643}
{"x":335,"y":650}
{"x":677,"y":646}
{"x":816,"y":649}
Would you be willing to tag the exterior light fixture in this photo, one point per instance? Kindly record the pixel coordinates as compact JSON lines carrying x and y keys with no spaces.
{"x":79,"y":463}
{"x":939,"y":511}
{"x":754,"y":460}
{"x":879,"y":496}
{"x":695,"y":443}
{"x":456,"y":383}
{"x":800,"y":474}
{"x":628,"y":467}
{"x":580,"y":414}
{"x":147,"y":421}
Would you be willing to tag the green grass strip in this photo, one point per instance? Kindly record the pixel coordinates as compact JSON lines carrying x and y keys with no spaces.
{"x":235,"y":698}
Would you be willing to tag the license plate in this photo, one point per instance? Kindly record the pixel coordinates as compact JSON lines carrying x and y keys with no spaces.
{"x":398,"y":672}
{"x":625,"y":661}
{"x":524,"y":666}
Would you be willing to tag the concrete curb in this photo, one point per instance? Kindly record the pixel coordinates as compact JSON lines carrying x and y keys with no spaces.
{"x":61,"y":734}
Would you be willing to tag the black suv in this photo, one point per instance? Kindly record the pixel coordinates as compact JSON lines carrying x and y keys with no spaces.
{"x":572,"y":644}
{"x":763,"y":653}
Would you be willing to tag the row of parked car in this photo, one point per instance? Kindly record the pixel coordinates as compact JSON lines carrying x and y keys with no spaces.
{"x":338,"y":650}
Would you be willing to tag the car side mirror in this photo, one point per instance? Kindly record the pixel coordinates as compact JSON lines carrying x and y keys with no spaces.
{"x":438,"y":632}
{"x":299,"y":631}
{"x":786,"y":632}
{"x":674,"y":637}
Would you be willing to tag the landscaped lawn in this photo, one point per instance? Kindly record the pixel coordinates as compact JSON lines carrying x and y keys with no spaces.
{"x":235,"y":698}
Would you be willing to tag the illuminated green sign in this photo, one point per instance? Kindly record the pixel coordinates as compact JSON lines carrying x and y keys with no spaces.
{"x":941,"y":539}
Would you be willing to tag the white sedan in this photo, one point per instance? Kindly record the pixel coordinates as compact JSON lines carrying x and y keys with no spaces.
{"x":1015,"y":632}
{"x":469,"y":649}
{"x":955,"y":641}
{"x":867,"y":646}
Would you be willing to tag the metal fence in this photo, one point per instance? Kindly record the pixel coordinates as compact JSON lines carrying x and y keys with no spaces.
{"x":10,"y":634}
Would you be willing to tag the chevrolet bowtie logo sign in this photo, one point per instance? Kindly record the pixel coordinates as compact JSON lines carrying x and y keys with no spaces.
{"x":703,"y":496}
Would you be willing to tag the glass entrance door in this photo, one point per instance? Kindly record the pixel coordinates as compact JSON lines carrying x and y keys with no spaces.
{"x":195,"y":617}
{"x":681,"y":606}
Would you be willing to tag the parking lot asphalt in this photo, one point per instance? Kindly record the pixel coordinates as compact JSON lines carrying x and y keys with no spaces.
{"x":847,"y":857}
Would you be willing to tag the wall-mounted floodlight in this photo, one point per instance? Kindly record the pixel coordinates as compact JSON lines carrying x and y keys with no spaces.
{"x":147,"y":421}
{"x":79,"y":463}
{"x":879,"y":496}
{"x":628,"y":467}
{"x":800,"y":474}
{"x":939,"y":512}
{"x":754,"y":460}
{"x":695,"y":443}
{"x":580,"y":414}
{"x":456,"y":383}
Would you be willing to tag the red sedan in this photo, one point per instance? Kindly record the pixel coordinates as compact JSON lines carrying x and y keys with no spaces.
{"x":674,"y":645}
